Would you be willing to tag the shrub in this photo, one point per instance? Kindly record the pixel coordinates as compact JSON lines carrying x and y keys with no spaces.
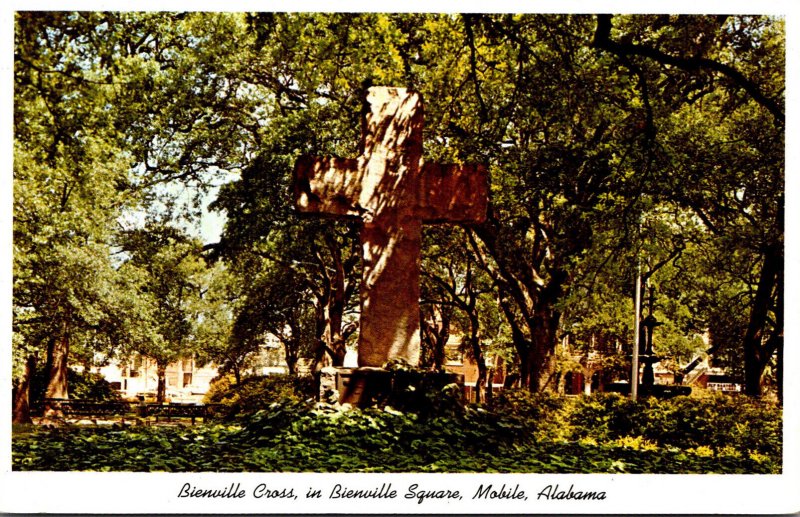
{"x":717,"y":422}
{"x":604,"y":416}
{"x":257,"y":393}
{"x":538,"y":414}
{"x":81,"y":385}
{"x":292,"y":437}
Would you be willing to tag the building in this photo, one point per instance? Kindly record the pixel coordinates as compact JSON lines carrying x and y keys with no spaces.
{"x":186,"y":380}
{"x":458,"y":362}
{"x":715,"y":379}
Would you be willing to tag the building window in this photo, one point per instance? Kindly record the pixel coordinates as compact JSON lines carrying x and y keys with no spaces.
{"x":187,"y":379}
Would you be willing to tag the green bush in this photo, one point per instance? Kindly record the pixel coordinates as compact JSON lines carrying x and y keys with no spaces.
{"x":81,"y":386}
{"x":604,"y":416}
{"x":718,"y":422}
{"x":257,"y":393}
{"x":278,"y":429}
{"x":298,"y":437}
{"x":536,"y":414}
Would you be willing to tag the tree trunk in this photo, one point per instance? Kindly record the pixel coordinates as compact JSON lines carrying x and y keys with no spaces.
{"x":441,"y":338}
{"x":332,"y":335}
{"x":161,"y":390}
{"x":523,"y":352}
{"x":779,"y":374}
{"x":427,"y":343}
{"x":334,"y":301}
{"x":291,"y":365}
{"x":521,"y":344}
{"x":753,"y":370}
{"x":477,"y":353}
{"x":321,"y":357}
{"x":757,"y":353}
{"x":21,"y":413}
{"x":332,"y":347}
{"x":57,"y":362}
{"x":542,"y":361}
{"x":481,"y":381}
{"x":489,"y":386}
{"x":434,"y":334}
{"x":339,"y":351}
{"x":290,"y":349}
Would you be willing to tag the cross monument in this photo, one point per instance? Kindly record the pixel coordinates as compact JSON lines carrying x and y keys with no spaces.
{"x":393,"y":192}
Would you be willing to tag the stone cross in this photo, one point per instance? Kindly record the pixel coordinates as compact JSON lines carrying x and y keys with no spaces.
{"x":393,"y":192}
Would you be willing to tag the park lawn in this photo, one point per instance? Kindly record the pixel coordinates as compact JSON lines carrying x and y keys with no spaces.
{"x":301,"y":439}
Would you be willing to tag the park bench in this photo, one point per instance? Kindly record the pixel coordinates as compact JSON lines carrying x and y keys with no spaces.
{"x":178,"y":410}
{"x":89,"y":408}
{"x":69,"y":407}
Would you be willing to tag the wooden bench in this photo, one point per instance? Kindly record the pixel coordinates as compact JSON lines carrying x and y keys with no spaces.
{"x":70,"y":407}
{"x":178,"y":410}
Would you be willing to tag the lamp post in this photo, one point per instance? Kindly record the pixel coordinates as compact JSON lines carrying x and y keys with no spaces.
{"x":637,"y":311}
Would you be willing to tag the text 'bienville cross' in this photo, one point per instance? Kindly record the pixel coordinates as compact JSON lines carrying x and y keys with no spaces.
{"x":393,"y":192}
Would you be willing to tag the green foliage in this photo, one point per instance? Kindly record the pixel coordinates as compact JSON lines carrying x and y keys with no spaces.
{"x":256,"y":393}
{"x":293,"y":436}
{"x":719,"y":422}
{"x":82,"y":386}
{"x":597,"y":152}
{"x":540,"y":414}
{"x":169,"y":270}
{"x":90,"y":386}
{"x":140,"y":449}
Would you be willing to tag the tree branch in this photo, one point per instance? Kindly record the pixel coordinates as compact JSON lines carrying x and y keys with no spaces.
{"x":602,"y":40}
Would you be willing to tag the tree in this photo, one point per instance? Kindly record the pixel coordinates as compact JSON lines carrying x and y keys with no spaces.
{"x":278,"y":303}
{"x":566,"y":157}
{"x":725,"y":137}
{"x":585,"y":122}
{"x":221,"y":297}
{"x":68,"y":178}
{"x":168,"y":266}
{"x":454,"y":279}
{"x":556,"y":151}
{"x":102,"y":102}
{"x":317,"y":259}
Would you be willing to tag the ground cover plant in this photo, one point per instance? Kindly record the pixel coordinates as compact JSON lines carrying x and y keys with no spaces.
{"x":520,"y":433}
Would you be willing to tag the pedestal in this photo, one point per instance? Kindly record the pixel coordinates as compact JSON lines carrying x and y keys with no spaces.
{"x":363,"y":387}
{"x":370,"y":386}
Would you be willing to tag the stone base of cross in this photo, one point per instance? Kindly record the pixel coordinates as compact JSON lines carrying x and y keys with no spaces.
{"x":368,"y":386}
{"x":393,"y":192}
